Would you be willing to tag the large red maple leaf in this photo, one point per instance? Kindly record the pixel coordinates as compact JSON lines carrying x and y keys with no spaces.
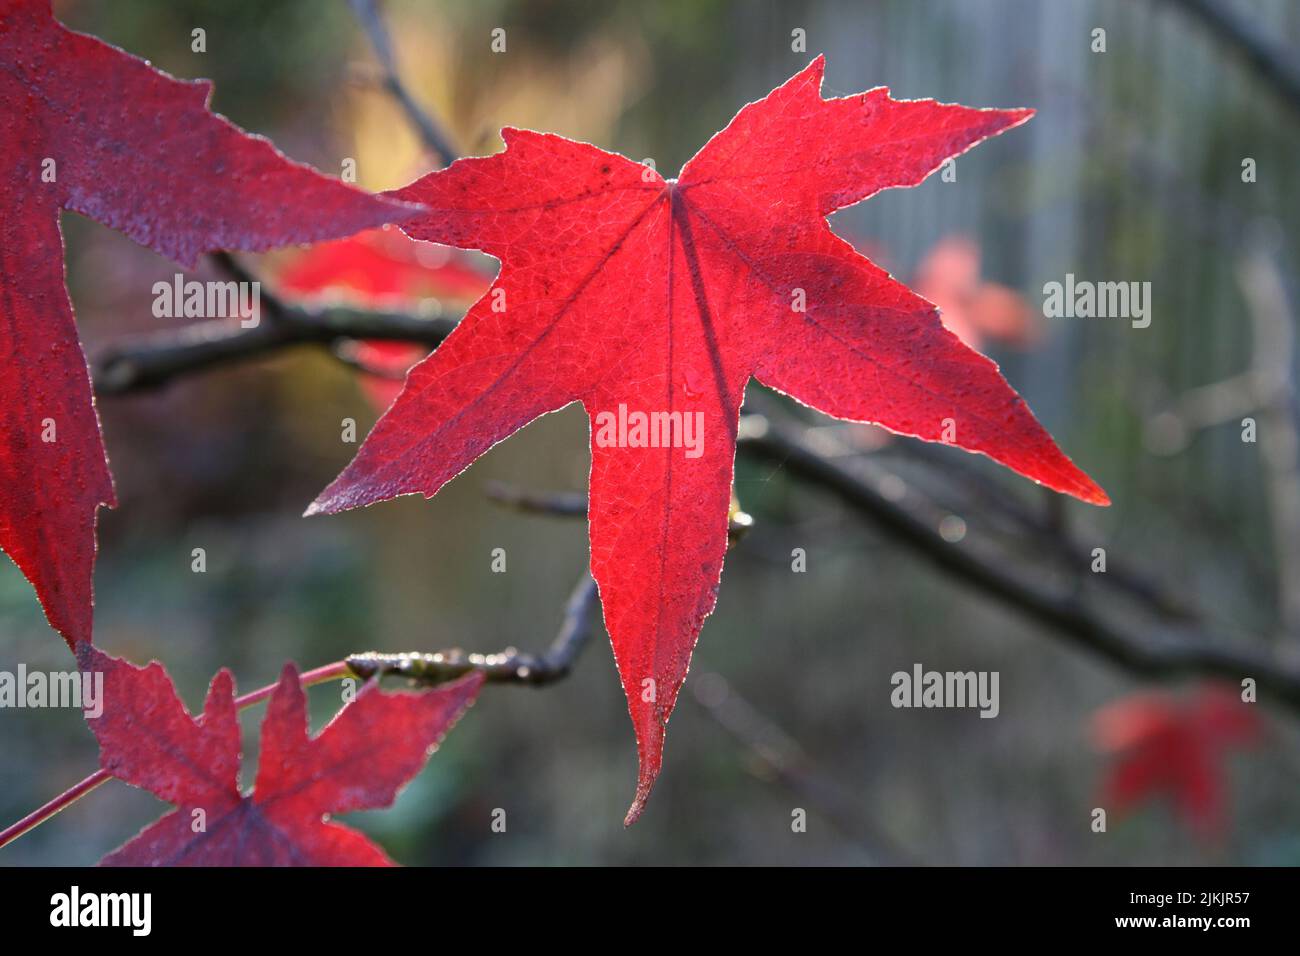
{"x":635,"y":294}
{"x":87,"y":127}
{"x":359,"y":761}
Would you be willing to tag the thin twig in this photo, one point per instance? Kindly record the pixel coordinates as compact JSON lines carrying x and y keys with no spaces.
{"x":1042,"y":531}
{"x":1264,"y":289}
{"x":60,"y":803}
{"x":510,"y":666}
{"x":559,"y":504}
{"x":432,"y":134}
{"x":1266,"y":388}
{"x":573,"y":504}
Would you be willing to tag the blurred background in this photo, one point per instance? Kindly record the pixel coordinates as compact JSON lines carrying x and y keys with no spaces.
{"x":1132,"y":171}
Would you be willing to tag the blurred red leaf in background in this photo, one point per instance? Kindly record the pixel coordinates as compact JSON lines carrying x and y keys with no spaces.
{"x":972,"y":309}
{"x":377,"y":269}
{"x":1166,"y":746}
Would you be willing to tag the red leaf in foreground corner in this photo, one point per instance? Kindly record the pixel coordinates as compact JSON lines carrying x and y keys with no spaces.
{"x":86,"y":127}
{"x":1166,"y":747}
{"x":640,"y":296}
{"x":362,"y":758}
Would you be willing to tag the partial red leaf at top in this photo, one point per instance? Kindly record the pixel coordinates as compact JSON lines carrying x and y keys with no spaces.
{"x":1165,"y":746}
{"x":87,"y":127}
{"x":362,"y":758}
{"x":641,"y":297}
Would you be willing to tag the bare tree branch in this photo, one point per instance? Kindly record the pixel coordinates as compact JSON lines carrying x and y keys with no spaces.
{"x":558,"y":504}
{"x":573,"y":504}
{"x":510,"y":666}
{"x":1044,"y":533}
{"x":153,"y":360}
{"x":432,"y":134}
{"x":1167,"y":651}
{"x":1179,"y":650}
{"x":1159,"y":652}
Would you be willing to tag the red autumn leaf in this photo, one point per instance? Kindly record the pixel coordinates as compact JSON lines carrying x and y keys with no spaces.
{"x":89,"y":128}
{"x":362,"y":758}
{"x":377,"y":269}
{"x":633,"y":294}
{"x":1163,"y":746}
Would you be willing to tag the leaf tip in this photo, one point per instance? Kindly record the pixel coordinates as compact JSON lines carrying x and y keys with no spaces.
{"x":317,"y":507}
{"x":1021,"y":115}
{"x":1084,"y":488}
{"x":646,"y":777}
{"x":221,"y":687}
{"x":634,"y":811}
{"x":512,"y":134}
{"x":1097,"y":496}
{"x":814,"y":72}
